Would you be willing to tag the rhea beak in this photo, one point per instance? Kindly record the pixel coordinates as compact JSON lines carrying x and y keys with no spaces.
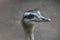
{"x":44,"y":19}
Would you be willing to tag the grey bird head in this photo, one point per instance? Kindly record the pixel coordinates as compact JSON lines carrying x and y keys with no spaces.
{"x":32,"y":16}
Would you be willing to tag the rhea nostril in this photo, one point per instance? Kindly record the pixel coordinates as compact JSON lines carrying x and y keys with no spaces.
{"x":46,"y":19}
{"x":43,"y":19}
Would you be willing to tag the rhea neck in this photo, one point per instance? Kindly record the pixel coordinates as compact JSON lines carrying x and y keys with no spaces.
{"x":29,"y":31}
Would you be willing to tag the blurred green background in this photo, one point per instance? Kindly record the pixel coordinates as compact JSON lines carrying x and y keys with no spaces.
{"x":11,"y":12}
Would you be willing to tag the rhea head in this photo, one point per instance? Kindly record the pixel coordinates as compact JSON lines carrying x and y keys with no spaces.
{"x":32,"y":16}
{"x":29,"y":18}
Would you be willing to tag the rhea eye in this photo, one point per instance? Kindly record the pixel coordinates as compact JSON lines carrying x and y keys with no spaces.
{"x":29,"y":16}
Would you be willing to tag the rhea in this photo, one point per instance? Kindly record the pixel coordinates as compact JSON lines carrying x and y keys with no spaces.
{"x":29,"y":18}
